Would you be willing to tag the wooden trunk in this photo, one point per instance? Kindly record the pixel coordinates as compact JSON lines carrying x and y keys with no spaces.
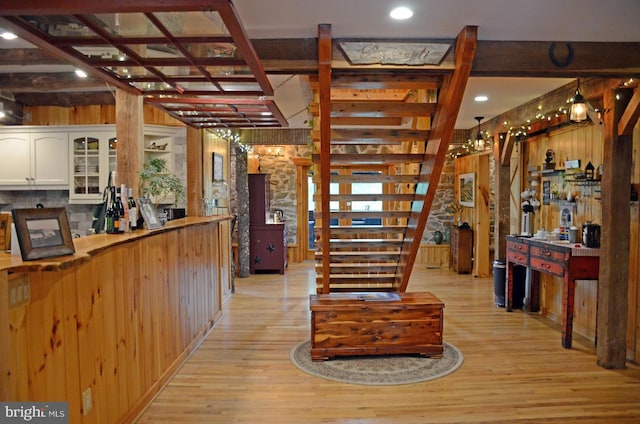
{"x":344,"y":324}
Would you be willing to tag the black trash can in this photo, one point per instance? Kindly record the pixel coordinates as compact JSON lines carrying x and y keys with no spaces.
{"x":499,"y":279}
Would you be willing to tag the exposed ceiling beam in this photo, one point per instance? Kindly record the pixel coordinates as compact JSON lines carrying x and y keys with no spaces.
{"x":493,"y":58}
{"x":29,"y":82}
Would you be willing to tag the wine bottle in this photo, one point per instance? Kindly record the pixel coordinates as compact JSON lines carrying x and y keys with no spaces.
{"x":120,"y":213}
{"x":125,"y":205}
{"x":133,"y":211}
{"x":113,"y":223}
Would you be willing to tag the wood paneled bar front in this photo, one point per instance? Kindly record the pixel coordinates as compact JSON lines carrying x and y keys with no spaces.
{"x":104,"y":329}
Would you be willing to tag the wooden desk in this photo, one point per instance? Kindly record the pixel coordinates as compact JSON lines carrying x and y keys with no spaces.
{"x":570,"y":262}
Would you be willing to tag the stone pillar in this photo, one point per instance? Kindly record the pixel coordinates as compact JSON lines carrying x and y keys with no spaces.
{"x":242,"y":190}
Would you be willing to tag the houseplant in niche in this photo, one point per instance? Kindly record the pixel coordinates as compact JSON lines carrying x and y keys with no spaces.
{"x":160,"y":185}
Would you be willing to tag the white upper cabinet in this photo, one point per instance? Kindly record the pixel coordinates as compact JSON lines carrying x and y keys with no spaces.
{"x":34,"y":159}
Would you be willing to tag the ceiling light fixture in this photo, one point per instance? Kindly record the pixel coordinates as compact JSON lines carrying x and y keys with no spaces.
{"x":8,"y":35}
{"x":401,"y":13}
{"x":81,"y":74}
{"x":481,"y":98}
{"x":479,"y":142}
{"x":578,"y":111}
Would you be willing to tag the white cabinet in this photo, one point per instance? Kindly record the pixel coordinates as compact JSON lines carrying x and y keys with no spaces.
{"x":93,"y":158}
{"x":31,"y":158}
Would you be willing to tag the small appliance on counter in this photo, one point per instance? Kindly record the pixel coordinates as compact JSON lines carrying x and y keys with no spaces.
{"x":278,"y":216}
{"x":591,"y":235}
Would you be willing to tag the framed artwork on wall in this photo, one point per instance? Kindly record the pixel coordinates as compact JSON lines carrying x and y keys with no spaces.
{"x":217,"y":167}
{"x":467,"y":189}
{"x":43,"y":233}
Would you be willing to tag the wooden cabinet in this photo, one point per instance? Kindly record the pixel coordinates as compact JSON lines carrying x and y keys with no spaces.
{"x":34,"y":158}
{"x":268,"y":248}
{"x":267,"y":240}
{"x":259,"y":198}
{"x":461,"y":250}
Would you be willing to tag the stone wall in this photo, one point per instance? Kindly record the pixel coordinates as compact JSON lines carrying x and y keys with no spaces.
{"x":278,"y":163}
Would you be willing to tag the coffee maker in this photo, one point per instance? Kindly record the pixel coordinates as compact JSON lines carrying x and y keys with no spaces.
{"x":529,"y":204}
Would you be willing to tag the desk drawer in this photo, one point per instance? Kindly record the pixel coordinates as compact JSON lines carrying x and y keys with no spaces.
{"x":517,"y":252}
{"x":547,"y":254}
{"x":548,"y":266}
{"x":517,"y":257}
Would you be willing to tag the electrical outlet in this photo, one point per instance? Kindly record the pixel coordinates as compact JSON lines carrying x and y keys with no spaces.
{"x":87,"y":401}
{"x":19,"y":290}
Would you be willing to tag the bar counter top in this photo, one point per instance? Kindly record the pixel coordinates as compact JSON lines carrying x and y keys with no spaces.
{"x":91,"y":245}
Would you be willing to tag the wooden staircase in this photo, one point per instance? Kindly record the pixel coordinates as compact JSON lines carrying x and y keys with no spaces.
{"x":380,"y":139}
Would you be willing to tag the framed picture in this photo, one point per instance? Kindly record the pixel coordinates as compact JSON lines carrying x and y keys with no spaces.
{"x":467,"y":189}
{"x":217,"y":167}
{"x":147,"y":210}
{"x":43,"y":233}
{"x":546,"y":192}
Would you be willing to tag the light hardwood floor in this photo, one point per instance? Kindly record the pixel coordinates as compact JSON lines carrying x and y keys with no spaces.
{"x":515,"y":369}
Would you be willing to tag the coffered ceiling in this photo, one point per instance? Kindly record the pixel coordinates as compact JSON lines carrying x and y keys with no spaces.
{"x":196,"y":53}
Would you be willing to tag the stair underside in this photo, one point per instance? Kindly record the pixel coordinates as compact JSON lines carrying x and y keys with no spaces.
{"x":379,"y":145}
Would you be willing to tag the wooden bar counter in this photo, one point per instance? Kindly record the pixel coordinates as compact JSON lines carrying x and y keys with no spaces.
{"x":104,"y":329}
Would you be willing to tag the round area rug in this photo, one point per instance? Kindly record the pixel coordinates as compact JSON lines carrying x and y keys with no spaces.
{"x":378,"y":370}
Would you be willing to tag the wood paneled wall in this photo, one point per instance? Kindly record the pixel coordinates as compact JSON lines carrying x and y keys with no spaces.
{"x":573,"y":142}
{"x":118,"y":324}
{"x":586,"y":144}
{"x":478,"y":216}
{"x":89,"y":115}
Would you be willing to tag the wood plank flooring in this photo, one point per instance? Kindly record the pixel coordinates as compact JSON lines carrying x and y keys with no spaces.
{"x":515,"y":370}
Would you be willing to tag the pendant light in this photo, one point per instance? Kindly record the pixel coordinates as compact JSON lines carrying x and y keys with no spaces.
{"x":479,"y":142}
{"x":578,"y":111}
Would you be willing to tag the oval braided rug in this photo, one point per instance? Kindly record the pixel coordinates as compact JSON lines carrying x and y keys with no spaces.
{"x":378,"y":370}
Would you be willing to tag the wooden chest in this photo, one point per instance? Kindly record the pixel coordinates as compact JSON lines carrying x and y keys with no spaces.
{"x":345,"y":324}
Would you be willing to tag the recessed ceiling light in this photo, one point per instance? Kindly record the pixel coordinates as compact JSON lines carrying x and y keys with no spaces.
{"x":80,"y":73}
{"x":481,"y":98}
{"x":8,"y":36}
{"x":401,"y":13}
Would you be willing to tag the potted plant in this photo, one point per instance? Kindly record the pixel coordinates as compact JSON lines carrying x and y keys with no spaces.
{"x":159,"y":184}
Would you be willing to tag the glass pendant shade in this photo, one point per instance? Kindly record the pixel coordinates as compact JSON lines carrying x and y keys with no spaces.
{"x":578,"y":109}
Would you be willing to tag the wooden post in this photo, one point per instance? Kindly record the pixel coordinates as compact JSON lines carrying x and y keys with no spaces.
{"x":614,"y":247}
{"x":194,"y":172}
{"x":324,"y":80}
{"x":130,"y":135}
{"x":502,"y":190}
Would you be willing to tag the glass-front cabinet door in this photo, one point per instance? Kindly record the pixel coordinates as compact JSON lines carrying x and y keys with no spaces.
{"x":93,"y":157}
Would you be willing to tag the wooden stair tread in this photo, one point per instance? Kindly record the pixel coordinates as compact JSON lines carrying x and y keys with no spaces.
{"x":375,"y":109}
{"x":383,"y":134}
{"x":366,"y":214}
{"x":357,"y":265}
{"x":394,"y":197}
{"x":372,"y":158}
{"x":360,"y":276}
{"x":374,"y":178}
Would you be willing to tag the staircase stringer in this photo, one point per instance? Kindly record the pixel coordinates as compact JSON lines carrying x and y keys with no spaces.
{"x":451,"y":94}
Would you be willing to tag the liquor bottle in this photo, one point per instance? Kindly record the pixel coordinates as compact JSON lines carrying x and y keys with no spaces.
{"x":120,"y":213}
{"x":113,"y":222}
{"x":133,"y":212}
